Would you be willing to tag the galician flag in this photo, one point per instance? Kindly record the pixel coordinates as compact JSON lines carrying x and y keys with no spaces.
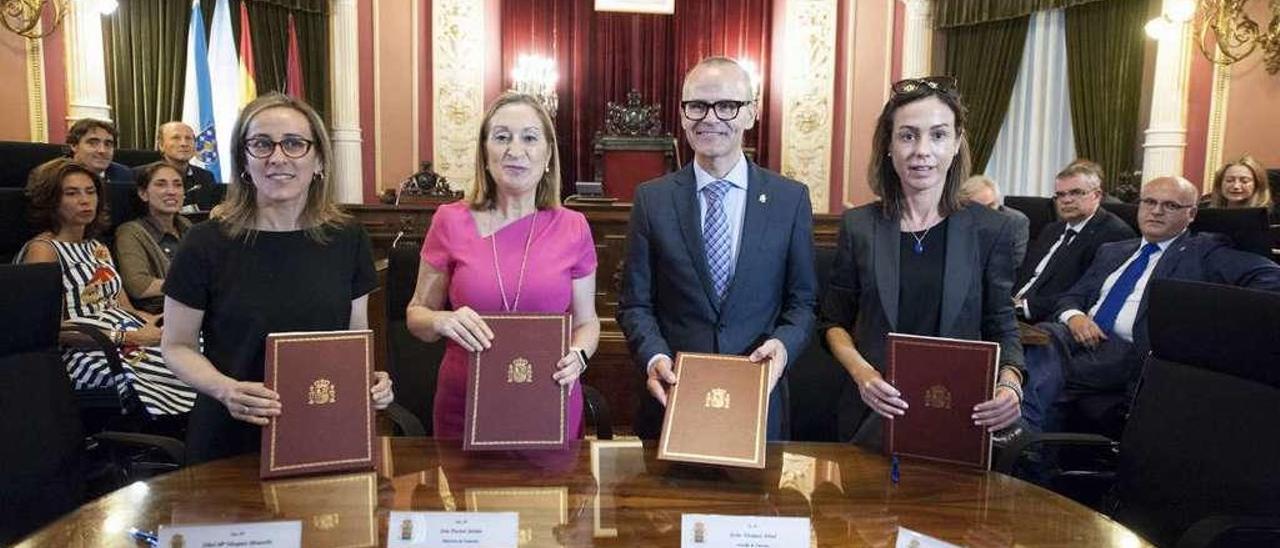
{"x":197,"y":103}
{"x":224,"y":76}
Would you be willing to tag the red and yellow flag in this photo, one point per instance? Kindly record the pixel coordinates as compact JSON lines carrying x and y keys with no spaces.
{"x":248,"y":89}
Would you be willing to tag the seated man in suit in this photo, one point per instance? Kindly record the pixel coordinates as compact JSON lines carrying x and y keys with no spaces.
{"x":1100,"y":337}
{"x":720,"y":253}
{"x":1065,"y":247}
{"x":93,"y":143}
{"x":980,"y":189}
{"x":177,"y":145}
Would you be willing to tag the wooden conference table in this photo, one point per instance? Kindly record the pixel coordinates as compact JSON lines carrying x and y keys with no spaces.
{"x":603,"y":493}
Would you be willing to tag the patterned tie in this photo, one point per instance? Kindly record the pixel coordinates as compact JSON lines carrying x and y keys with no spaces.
{"x":715,"y":234}
{"x":1114,"y":301}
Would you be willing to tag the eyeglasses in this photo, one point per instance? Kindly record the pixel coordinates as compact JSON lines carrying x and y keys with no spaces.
{"x":726,"y":109}
{"x":940,"y":84}
{"x":292,"y":147}
{"x":1169,"y":206}
{"x":1075,"y":194}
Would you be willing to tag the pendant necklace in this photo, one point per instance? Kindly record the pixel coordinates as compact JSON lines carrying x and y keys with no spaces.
{"x":493,"y":241}
{"x":919,"y":247}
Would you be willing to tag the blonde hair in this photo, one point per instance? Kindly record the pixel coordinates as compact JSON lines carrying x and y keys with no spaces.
{"x":481,"y":195}
{"x":1261,"y":189}
{"x":239,"y":210}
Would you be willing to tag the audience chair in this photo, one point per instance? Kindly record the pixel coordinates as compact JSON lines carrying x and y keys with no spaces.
{"x":1038,"y":210}
{"x":1126,"y":212}
{"x":47,"y":466}
{"x":815,"y":377}
{"x":1247,"y":227}
{"x":15,"y":228}
{"x":1197,"y":458}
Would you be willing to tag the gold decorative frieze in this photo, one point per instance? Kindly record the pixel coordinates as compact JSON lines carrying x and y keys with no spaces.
{"x":808,"y":95}
{"x":457,"y":79}
{"x":35,"y":91}
{"x":1218,"y":102}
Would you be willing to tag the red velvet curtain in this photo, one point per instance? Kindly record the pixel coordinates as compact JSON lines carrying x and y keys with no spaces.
{"x":602,"y":56}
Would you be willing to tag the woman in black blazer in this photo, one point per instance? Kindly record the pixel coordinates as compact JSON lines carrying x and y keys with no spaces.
{"x":919,"y":262}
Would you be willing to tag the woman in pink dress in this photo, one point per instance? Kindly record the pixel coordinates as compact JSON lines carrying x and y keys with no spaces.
{"x":508,"y":247}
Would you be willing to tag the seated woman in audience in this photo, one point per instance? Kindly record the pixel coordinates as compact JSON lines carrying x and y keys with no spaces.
{"x":68,"y":205}
{"x":1242,"y":183}
{"x":144,"y":246}
{"x":277,"y":255}
{"x":508,"y":246}
{"x":919,"y":262}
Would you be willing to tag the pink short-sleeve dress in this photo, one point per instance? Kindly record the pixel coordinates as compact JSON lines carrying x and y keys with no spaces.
{"x":561,"y":251}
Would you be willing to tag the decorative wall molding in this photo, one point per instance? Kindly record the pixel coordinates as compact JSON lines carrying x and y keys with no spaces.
{"x":458,"y":60}
{"x":36,"y":106}
{"x":1218,"y":103}
{"x":808,"y":87}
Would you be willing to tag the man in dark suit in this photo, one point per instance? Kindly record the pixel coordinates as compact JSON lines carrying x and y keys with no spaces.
{"x":1065,"y":247}
{"x":177,"y":145}
{"x":719,"y":254}
{"x":981,"y":190}
{"x":1100,"y":337}
{"x":93,"y":143}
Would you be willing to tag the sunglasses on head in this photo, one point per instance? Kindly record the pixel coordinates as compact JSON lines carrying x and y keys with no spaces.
{"x":940,"y":84}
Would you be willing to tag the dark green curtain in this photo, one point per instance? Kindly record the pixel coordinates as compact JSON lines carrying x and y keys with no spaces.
{"x":984,"y":59}
{"x":957,"y":13}
{"x":146,"y":57}
{"x":1104,"y":72}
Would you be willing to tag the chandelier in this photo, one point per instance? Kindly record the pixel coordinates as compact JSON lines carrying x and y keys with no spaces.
{"x":537,"y":76}
{"x":1227,"y":34}
{"x":22,"y":17}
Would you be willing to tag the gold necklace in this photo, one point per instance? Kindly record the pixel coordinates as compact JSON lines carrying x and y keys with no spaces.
{"x":497,"y":270}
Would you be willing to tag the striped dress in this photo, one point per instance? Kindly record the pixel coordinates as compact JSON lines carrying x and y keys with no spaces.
{"x":91,"y":286}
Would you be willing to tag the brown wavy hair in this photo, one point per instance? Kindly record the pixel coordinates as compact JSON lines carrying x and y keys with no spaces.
{"x":238,"y":212}
{"x":1261,"y":187}
{"x":44,"y":194}
{"x":547,"y":195}
{"x":884,"y":180}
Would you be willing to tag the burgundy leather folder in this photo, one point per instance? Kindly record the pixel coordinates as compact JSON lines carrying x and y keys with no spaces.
{"x":512,"y":401}
{"x":941,"y":379}
{"x":326,"y":421}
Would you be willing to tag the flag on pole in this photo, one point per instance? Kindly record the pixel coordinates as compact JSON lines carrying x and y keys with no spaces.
{"x":197,"y":103}
{"x":293,"y":65}
{"x":224,"y":70}
{"x":248,"y":88}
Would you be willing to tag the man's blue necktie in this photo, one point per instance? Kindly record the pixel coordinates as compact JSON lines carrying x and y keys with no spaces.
{"x":715,"y":234}
{"x":1114,"y":301}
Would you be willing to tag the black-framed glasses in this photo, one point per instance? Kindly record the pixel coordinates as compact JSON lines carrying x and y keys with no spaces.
{"x":1075,"y":194}
{"x":1170,"y":206}
{"x":292,"y":147}
{"x":940,"y":84}
{"x":725,"y":109}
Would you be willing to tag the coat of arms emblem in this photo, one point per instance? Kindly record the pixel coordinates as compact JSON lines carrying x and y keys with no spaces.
{"x":519,"y":371}
{"x":322,"y":392}
{"x":938,"y":397}
{"x":717,"y":398}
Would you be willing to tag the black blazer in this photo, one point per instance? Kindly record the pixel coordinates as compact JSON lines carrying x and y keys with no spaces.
{"x":1068,"y":264}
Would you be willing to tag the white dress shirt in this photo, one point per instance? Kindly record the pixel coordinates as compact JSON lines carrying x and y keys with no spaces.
{"x":1129,"y":311}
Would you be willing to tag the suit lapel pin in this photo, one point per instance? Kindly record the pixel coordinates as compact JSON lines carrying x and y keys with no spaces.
{"x":764,"y":198}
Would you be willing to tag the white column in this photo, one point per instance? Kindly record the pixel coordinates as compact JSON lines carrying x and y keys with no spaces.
{"x":344,"y":70}
{"x":86,"y":66}
{"x":1167,"y":131}
{"x":917,"y":38}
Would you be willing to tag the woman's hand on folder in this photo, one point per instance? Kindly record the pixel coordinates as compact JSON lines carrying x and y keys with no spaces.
{"x":568,"y":369}
{"x":250,"y":402}
{"x":879,"y":395}
{"x":381,"y":393}
{"x":465,"y":327}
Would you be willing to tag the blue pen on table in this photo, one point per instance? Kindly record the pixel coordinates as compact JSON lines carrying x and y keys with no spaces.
{"x":144,"y":536}
{"x":895,"y":473}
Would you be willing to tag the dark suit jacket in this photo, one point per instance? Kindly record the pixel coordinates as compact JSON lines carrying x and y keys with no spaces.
{"x":667,"y":304}
{"x":1200,"y":257}
{"x":1069,"y":263}
{"x":119,"y":173}
{"x":862,"y":294}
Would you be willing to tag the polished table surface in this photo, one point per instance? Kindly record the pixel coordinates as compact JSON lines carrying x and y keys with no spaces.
{"x":603,"y":493}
